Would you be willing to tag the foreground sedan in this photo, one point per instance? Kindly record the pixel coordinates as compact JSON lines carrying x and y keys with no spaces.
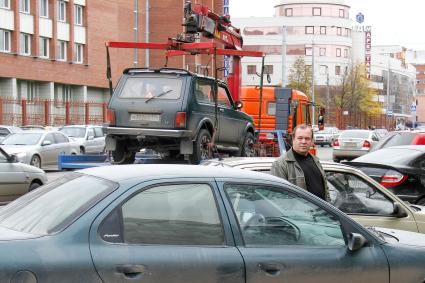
{"x":181,"y":223}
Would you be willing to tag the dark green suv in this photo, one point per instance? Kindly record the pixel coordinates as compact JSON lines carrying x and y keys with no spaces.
{"x":172,"y":111}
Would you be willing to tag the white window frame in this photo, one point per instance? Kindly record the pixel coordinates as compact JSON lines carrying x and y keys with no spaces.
{"x":309,"y":30}
{"x":323,"y":30}
{"x":78,"y":53}
{"x":337,"y":67}
{"x":5,"y":43}
{"x":341,"y":13}
{"x":317,"y":11}
{"x":62,"y":48}
{"x":61,"y":11}
{"x":308,"y":51}
{"x":345,"y":53}
{"x":288,"y":12}
{"x":44,"y":8}
{"x":5,"y":4}
{"x":25,"y":44}
{"x":78,"y":15}
{"x":338,"y":52}
{"x":44,"y":47}
{"x":338,"y":31}
{"x":322,"y":51}
{"x":24,"y":6}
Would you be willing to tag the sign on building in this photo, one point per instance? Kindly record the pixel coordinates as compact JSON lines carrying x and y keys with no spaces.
{"x":368,"y":49}
{"x":389,"y":113}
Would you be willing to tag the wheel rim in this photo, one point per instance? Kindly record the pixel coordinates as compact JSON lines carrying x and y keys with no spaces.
{"x":249,"y":148}
{"x":203,"y":147}
{"x":35,"y":161}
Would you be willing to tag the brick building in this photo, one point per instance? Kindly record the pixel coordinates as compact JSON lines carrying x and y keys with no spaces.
{"x":55,"y":49}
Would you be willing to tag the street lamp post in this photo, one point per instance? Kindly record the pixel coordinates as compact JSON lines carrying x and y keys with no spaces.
{"x":312,"y":83}
{"x":283,"y":56}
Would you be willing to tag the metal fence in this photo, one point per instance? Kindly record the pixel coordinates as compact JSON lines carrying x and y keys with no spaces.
{"x":50,"y":112}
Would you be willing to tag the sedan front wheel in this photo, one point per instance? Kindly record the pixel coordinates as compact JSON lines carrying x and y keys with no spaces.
{"x":35,"y":161}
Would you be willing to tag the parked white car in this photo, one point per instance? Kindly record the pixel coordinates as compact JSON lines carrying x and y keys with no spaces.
{"x":90,"y":138}
{"x":39,"y":148}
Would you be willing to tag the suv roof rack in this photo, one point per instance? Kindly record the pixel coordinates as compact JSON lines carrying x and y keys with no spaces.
{"x":160,"y":70}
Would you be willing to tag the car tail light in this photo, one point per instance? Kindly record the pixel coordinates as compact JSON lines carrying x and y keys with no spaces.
{"x":392,"y":178}
{"x":110,"y":116}
{"x":336,"y":143}
{"x":366,"y":145}
{"x":181,"y":119}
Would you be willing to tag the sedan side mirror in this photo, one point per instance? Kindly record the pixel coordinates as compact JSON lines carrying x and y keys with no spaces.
{"x":46,"y":142}
{"x":356,"y":242}
{"x":399,"y":211}
{"x":12,"y":159}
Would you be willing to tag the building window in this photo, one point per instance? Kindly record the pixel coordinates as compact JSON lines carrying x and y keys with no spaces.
{"x":78,"y":15}
{"x":288,"y":12}
{"x":322,"y":30}
{"x":339,"y":31}
{"x":78,"y":53}
{"x":27,"y":90}
{"x":309,"y":51}
{"x":322,"y":51}
{"x":251,"y":69}
{"x":61,"y":11}
{"x":4,"y":40}
{"x":323,"y":69}
{"x":345,"y":53}
{"x":309,"y":30}
{"x":44,"y":8}
{"x":341,"y":13}
{"x":337,"y":70}
{"x":62,"y":94}
{"x":25,"y":44}
{"x":61,"y":50}
{"x":268,"y":69}
{"x":317,"y":11}
{"x":44,"y":47}
{"x":347,"y":32}
{"x":338,"y":52}
{"x":5,"y":4}
{"x":24,"y":6}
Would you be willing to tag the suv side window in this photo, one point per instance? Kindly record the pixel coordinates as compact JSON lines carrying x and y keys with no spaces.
{"x":90,"y":132}
{"x":352,"y":195}
{"x":270,"y":216}
{"x":98,"y":132}
{"x":222,"y":98}
{"x":178,"y":214}
{"x":204,"y":92}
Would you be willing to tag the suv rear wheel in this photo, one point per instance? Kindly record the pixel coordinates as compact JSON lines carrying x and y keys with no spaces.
{"x":122,"y":156}
{"x":248,"y":149}
{"x":201,"y":149}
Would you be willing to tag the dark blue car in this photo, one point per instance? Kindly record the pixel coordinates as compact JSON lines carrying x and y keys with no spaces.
{"x":182,"y":223}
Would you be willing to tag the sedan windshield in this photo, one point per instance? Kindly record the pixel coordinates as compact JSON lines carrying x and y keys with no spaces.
{"x":22,"y":139}
{"x":55,"y":206}
{"x":74,"y":132}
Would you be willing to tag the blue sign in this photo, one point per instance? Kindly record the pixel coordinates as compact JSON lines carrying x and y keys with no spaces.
{"x":413,"y":108}
{"x":389,"y":113}
{"x":226,"y":2}
{"x":360,"y":18}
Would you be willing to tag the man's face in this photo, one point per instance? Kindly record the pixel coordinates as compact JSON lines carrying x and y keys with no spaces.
{"x":302,"y":141}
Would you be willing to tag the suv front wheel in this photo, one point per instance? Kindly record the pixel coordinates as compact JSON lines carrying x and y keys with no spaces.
{"x":201,"y":150}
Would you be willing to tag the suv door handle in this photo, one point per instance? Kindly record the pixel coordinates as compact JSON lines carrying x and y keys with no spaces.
{"x":272,"y":269}
{"x":131,"y":270}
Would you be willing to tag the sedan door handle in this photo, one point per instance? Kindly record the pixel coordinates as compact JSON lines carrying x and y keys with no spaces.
{"x":221,"y":109}
{"x":271,"y":269}
{"x":131,"y":270}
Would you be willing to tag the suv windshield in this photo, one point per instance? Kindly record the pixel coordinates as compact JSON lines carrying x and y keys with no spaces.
{"x":74,"y":132}
{"x":22,"y":139}
{"x":53,"y":207}
{"x":152,"y":87}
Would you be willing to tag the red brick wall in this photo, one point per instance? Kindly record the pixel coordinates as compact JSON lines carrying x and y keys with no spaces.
{"x":105,"y":20}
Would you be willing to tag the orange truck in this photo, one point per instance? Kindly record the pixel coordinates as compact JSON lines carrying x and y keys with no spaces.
{"x":282,"y":109}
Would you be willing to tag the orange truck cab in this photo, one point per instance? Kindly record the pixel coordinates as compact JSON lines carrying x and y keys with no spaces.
{"x":282,"y":109}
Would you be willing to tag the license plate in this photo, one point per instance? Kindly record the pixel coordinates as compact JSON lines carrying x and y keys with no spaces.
{"x":145,"y":117}
{"x":350,"y":144}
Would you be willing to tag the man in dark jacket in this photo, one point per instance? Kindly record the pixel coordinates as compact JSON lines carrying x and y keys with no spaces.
{"x":301,"y":168}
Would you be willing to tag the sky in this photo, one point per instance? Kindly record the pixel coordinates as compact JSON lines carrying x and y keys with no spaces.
{"x":393,"y":21}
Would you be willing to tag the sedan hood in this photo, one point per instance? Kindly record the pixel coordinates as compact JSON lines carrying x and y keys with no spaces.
{"x":14,"y":149}
{"x":31,"y":169}
{"x":403,"y":237}
{"x":8,"y":235}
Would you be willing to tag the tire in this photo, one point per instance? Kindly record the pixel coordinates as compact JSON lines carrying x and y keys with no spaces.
{"x":82,"y":150}
{"x":122,"y":156}
{"x":336,"y":160}
{"x":248,"y":149}
{"x":35,"y":161}
{"x":200,"y":147}
{"x":33,"y":186}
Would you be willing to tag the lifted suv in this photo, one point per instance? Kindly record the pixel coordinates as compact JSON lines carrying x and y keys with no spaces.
{"x":172,"y":111}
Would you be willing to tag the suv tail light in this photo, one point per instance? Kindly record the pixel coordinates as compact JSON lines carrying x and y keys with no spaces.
{"x":181,"y":119}
{"x":392,"y":178}
{"x":110,"y":116}
{"x":336,"y":143}
{"x":366,"y":144}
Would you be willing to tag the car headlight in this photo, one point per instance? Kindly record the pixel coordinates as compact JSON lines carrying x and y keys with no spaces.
{"x":21,"y":155}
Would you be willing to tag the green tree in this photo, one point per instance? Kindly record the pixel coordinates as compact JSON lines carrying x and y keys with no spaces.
{"x":300,"y":76}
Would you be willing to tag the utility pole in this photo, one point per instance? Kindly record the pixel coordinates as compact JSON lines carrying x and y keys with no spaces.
{"x":328,"y":99}
{"x":136,"y":31}
{"x":283,"y":56}
{"x":388,"y":89}
{"x":312,"y":84}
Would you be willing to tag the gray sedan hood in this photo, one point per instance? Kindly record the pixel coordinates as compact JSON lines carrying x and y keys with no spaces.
{"x":9,"y":235}
{"x":403,"y":237}
{"x":14,"y":149}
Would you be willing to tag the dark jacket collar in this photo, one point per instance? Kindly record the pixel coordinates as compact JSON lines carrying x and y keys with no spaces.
{"x":291,"y":157}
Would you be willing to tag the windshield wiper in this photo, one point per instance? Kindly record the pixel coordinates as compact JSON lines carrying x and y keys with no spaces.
{"x":156,"y":96}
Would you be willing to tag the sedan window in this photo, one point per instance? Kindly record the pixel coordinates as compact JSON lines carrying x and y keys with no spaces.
{"x":270,"y":216}
{"x":352,"y":195}
{"x":184,"y":214}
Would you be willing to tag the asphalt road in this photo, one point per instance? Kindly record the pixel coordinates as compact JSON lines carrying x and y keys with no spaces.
{"x":324,"y":153}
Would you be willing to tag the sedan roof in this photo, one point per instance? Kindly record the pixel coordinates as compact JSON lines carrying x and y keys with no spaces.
{"x":120,"y":173}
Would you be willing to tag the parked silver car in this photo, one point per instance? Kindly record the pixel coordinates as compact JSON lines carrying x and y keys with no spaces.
{"x":353,"y":143}
{"x":39,"y":148}
{"x":7,"y":130}
{"x":90,"y":138}
{"x":326,"y":136}
{"x":16,"y":178}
